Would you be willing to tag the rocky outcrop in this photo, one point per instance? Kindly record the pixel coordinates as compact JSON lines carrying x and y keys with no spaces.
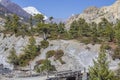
{"x":94,"y":14}
{"x":91,"y":10}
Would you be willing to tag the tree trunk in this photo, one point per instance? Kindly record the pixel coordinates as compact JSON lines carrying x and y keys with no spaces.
{"x":44,"y":36}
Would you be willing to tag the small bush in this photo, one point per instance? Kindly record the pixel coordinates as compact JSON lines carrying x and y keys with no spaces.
{"x":50,"y":53}
{"x":13,"y":58}
{"x":44,"y":44}
{"x":86,"y":40}
{"x":45,"y":66}
{"x":53,"y":36}
{"x":105,"y":47}
{"x":116,"y":53}
{"x":58,"y":54}
{"x":23,"y":61}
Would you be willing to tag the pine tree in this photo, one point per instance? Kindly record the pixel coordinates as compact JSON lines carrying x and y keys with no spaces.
{"x":13,"y":58}
{"x":100,"y":70}
{"x":39,"y":18}
{"x":117,"y":33}
{"x":32,"y":49}
{"x":7,"y":23}
{"x":74,"y":29}
{"x":43,"y":28}
{"x":30,"y":52}
{"x":15,"y":23}
{"x":84,"y":28}
{"x":94,"y":32}
{"x":102,"y":27}
{"x":45,"y":66}
{"x":61,"y":27}
{"x":50,"y":19}
{"x":31,"y":24}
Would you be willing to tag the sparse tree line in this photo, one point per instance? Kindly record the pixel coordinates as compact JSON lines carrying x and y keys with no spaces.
{"x":35,"y":26}
{"x":80,"y":29}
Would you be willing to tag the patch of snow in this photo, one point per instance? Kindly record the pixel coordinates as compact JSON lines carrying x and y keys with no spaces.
{"x":33,"y":11}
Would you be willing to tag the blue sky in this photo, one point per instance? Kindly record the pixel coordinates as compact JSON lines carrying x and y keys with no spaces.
{"x":62,"y":8}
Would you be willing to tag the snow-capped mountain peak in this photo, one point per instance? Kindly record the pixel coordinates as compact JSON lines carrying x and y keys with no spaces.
{"x":32,"y":10}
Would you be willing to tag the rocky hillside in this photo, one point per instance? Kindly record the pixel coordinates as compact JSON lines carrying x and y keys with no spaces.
{"x":76,"y":55}
{"x":94,"y":14}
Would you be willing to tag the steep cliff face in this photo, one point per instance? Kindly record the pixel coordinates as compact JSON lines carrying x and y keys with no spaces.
{"x":94,"y":14}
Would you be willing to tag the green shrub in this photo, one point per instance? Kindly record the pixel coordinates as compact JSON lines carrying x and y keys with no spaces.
{"x":13,"y":58}
{"x":44,"y":44}
{"x":105,"y":47}
{"x":37,"y":69}
{"x":86,"y":40}
{"x":50,"y":53}
{"x":58,"y":54}
{"x":24,"y":60}
{"x":45,"y":66}
{"x":53,"y":36}
{"x":116,"y":53}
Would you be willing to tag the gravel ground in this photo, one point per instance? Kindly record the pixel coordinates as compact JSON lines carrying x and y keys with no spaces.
{"x":29,"y":78}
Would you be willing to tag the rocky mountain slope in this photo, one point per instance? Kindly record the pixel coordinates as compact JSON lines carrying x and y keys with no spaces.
{"x":3,"y":10}
{"x":14,"y":8}
{"x":94,"y":14}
